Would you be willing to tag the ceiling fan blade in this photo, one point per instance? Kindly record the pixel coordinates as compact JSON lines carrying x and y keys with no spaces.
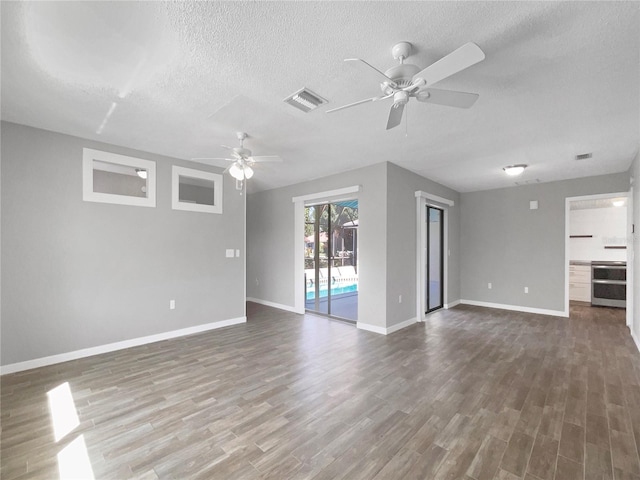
{"x":395,"y":115}
{"x":214,"y":159}
{"x":449,"y":98}
{"x":373,"y":99}
{"x":265,"y":158}
{"x":372,"y":70}
{"x":465,"y":56}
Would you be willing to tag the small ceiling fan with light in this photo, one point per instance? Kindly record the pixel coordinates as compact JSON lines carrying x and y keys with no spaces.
{"x":242,"y":161}
{"x":405,"y":80}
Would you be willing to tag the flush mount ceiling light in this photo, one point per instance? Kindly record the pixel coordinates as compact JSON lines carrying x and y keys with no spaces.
{"x":513,"y":170}
{"x":142,"y":173}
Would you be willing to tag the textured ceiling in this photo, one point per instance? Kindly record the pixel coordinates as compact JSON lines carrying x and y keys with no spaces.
{"x":179,"y":78}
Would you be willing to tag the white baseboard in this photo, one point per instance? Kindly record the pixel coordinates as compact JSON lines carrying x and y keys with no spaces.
{"x":110,"y":347}
{"x":635,"y":339}
{"x":383,"y":330}
{"x":281,"y":306}
{"x":401,"y":325}
{"x":447,"y":306}
{"x":517,"y":308}
{"x":371,"y":328}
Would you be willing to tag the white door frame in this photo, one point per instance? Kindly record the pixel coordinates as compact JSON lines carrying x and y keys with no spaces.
{"x":567,"y":225}
{"x":630,"y":257}
{"x":422,"y":200}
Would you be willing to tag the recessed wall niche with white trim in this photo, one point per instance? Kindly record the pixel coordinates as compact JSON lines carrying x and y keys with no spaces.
{"x":196,"y":190}
{"x":112,"y":178}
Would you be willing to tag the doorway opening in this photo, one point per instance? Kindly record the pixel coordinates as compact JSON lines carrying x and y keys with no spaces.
{"x":435,"y":259}
{"x":331,"y":259}
{"x":598,"y":270}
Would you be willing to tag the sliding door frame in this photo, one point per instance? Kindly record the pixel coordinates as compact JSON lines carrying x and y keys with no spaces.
{"x":346,"y":193}
{"x":428,"y":308}
{"x":422,"y":200}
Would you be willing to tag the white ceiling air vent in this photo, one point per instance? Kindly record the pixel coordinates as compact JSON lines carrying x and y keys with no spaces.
{"x":584,"y":156}
{"x":305,"y":100}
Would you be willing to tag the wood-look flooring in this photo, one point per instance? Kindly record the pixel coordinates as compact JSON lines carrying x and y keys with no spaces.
{"x":472,"y":394}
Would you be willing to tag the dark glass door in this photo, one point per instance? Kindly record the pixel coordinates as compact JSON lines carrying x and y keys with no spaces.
{"x":435,"y":258}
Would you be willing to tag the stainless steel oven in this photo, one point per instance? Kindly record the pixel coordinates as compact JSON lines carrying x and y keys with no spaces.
{"x":609,"y":284}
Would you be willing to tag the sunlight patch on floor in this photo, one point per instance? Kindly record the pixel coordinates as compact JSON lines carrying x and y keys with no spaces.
{"x":63,"y":411}
{"x":73,"y":461}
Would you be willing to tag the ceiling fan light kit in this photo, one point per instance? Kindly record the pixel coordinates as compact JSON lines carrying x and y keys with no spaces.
{"x":242,"y":161}
{"x":240,"y":172}
{"x":406,"y":80}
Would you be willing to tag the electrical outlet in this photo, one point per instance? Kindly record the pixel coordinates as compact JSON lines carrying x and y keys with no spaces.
{"x":489,"y":286}
{"x":526,"y":289}
{"x":257,"y":281}
{"x":237,"y":252}
{"x":172,"y":304}
{"x":399,"y":298}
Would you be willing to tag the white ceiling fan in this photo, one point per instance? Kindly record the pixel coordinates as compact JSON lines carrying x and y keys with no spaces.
{"x":242,"y":161}
{"x":405,"y":80}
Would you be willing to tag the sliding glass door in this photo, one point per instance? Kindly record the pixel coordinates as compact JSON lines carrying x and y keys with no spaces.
{"x":331,"y":259}
{"x":435,"y":258}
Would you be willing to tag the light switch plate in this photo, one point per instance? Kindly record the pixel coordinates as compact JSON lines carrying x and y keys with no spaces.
{"x":230,"y":252}
{"x":533,"y":205}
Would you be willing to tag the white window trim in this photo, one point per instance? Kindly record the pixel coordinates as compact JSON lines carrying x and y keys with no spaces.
{"x":88,"y":195}
{"x":216,"y":178}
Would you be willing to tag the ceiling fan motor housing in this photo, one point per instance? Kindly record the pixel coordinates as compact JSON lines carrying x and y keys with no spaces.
{"x":402,"y":75}
{"x":242,"y":152}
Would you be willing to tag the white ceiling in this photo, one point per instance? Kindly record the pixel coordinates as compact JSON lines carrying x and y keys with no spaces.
{"x":179,"y":78}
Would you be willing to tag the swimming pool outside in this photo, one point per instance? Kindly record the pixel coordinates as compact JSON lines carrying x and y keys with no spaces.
{"x":337,"y":289}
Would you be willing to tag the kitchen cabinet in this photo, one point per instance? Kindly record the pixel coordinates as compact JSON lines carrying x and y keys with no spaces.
{"x":580,"y":282}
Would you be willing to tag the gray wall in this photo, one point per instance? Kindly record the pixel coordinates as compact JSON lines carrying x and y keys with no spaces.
{"x":118,"y":184}
{"x":386,"y":240}
{"x":505,"y":243}
{"x":270,"y":240}
{"x":401,"y":241}
{"x":81,"y":274}
{"x":196,"y":194}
